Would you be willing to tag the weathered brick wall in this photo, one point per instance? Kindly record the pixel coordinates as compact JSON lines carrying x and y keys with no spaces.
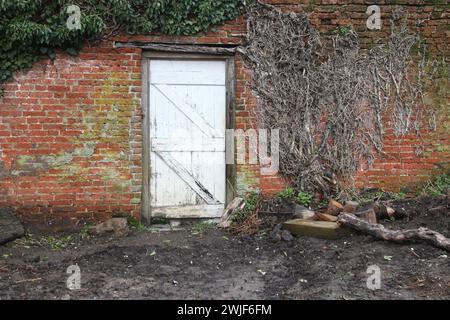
{"x":70,"y":129}
{"x":408,"y":160}
{"x":70,"y":137}
{"x":71,"y":132}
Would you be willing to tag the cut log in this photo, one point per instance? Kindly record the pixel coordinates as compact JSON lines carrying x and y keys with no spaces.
{"x":334,"y":207}
{"x":385,"y":212}
{"x":316,"y":229}
{"x":235,"y":204}
{"x":325,"y":217}
{"x":367,"y":215}
{"x":390,"y":211}
{"x":399,"y":236}
{"x":302,"y":212}
{"x":380,"y":210}
{"x":350,"y":206}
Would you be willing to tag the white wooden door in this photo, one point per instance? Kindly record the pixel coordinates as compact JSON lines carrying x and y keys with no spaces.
{"x":187,"y":138}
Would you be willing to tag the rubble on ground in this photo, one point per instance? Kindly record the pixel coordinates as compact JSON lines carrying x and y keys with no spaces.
{"x":10,"y":227}
{"x":117,"y":226}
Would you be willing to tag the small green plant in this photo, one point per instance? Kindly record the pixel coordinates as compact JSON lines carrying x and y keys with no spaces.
{"x":437,"y":186}
{"x":304,"y":198}
{"x":54,"y":242}
{"x":84,"y":232}
{"x":398,"y":196}
{"x":135,"y":224}
{"x":286,"y":194}
{"x":376,"y":195}
{"x":160,"y":220}
{"x":251,"y":202}
{"x":344,"y":30}
{"x":323,"y":203}
{"x":201,"y":227}
{"x":57,"y":243}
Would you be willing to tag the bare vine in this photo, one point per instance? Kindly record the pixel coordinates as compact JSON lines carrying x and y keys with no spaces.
{"x":328,"y":97}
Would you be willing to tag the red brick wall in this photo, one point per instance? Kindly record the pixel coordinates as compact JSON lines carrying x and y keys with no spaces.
{"x":403,"y":162}
{"x":70,"y":137}
{"x":70,"y":129}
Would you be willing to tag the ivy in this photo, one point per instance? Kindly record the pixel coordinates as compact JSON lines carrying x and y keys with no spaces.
{"x":30,"y":29}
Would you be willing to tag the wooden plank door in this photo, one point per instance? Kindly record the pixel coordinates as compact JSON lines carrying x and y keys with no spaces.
{"x":187,"y":104}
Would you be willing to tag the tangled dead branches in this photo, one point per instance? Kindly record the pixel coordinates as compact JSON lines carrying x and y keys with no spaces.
{"x":327,"y":96}
{"x":249,"y":226}
{"x":247,"y":221}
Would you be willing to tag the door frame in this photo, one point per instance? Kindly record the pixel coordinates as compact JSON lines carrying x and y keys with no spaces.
{"x":230,"y":105}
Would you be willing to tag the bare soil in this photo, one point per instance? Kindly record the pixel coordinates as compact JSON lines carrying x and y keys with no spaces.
{"x":213,"y":264}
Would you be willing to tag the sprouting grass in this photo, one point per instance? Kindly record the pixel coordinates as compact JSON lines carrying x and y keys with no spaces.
{"x":201,"y":227}
{"x":135,"y":224}
{"x":437,"y":186}
{"x":53,"y":242}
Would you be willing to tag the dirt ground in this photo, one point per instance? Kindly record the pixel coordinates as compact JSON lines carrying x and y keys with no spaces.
{"x":207,"y":263}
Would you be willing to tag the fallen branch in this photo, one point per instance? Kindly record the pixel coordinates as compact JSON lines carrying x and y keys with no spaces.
{"x":400,"y":236}
{"x":29,"y":280}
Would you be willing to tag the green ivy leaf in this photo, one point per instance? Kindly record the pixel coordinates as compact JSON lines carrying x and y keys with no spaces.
{"x":29,"y":29}
{"x":72,"y":51}
{"x":51,"y":54}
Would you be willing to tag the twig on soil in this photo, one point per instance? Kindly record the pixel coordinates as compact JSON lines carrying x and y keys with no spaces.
{"x":400,"y":236}
{"x":249,"y":226}
{"x":29,"y":280}
{"x":414,"y":253}
{"x":437,"y":208}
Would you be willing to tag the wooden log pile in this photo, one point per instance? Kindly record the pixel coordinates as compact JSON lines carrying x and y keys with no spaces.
{"x":362,"y":218}
{"x":338,"y":219}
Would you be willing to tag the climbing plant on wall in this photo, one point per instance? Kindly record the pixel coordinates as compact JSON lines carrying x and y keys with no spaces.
{"x":331,"y":99}
{"x":32,"y":28}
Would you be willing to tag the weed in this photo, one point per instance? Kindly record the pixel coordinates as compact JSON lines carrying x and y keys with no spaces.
{"x":251,"y":202}
{"x":201,"y":227}
{"x":135,"y":224}
{"x":57,"y":243}
{"x":84,"y":232}
{"x":54,"y":242}
{"x":286,"y":194}
{"x":304,"y":198}
{"x":323,"y":203}
{"x":159,"y":220}
{"x":398,"y":196}
{"x":291,"y":194}
{"x":343,"y":31}
{"x":437,"y":186}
